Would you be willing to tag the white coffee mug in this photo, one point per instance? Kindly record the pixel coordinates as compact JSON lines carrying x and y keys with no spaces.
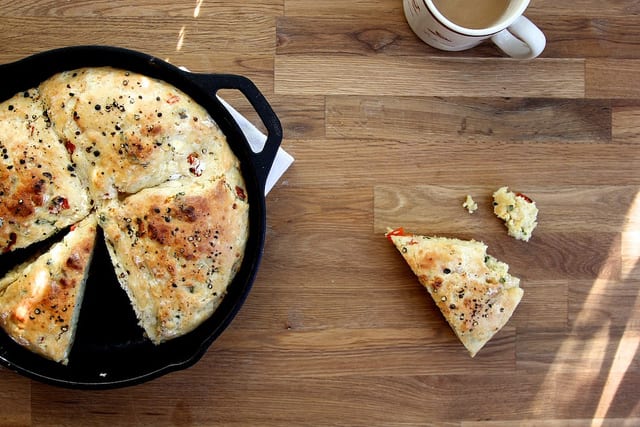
{"x":514,"y":34}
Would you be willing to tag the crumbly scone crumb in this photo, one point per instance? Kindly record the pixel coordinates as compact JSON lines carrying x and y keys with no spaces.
{"x":518,"y":212}
{"x":470,"y":204}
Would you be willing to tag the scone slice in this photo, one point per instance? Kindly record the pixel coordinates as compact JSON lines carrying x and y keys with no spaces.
{"x":40,"y":308}
{"x":40,"y":192}
{"x":473,"y":290}
{"x":175,"y":249}
{"x":126,"y":131}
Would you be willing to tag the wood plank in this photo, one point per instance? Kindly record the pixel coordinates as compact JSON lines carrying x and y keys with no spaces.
{"x":590,"y":351}
{"x":360,"y":35}
{"x":380,"y":352}
{"x":399,"y":303}
{"x":447,"y":162}
{"x":626,"y":125}
{"x":381,"y":8}
{"x":394,"y":300}
{"x":576,"y":422}
{"x":202,"y":45}
{"x":602,"y":208}
{"x":124,"y":8}
{"x":537,"y":310}
{"x":354,"y":401}
{"x":337,"y":401}
{"x":589,"y":8}
{"x":337,"y":8}
{"x":437,"y":210}
{"x":613,"y":36}
{"x":17,"y":390}
{"x":334,"y":74}
{"x":612,"y":78}
{"x":469,"y":119}
{"x":301,"y":116}
{"x":603,"y":303}
{"x":570,"y":35}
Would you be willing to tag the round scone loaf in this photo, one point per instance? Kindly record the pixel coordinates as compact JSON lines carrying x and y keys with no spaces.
{"x":146,"y":163}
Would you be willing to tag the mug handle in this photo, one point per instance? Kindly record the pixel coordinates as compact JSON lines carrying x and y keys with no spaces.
{"x":521,"y":40}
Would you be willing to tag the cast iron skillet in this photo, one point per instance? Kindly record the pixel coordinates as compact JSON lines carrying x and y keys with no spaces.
{"x":110,"y":350}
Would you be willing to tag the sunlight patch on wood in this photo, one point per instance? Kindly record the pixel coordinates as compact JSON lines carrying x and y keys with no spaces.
{"x":630,"y":342}
{"x":196,"y":10}
{"x":627,"y":349}
{"x":181,"y":35}
{"x":631,"y":242}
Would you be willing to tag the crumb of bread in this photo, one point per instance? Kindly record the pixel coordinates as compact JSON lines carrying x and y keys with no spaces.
{"x":518,"y":212}
{"x":470,"y":204}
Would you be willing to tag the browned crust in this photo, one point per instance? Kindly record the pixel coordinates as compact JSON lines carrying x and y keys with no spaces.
{"x":95,"y":139}
{"x":475,"y":299}
{"x":40,"y":308}
{"x":130,"y":132}
{"x":39,"y":190}
{"x":176,"y":248}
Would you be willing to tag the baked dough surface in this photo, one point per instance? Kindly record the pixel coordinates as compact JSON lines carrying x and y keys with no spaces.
{"x":126,"y":131}
{"x":40,"y":192}
{"x":175,"y":247}
{"x":146,"y":163}
{"x":39,"y":308}
{"x":473,"y":290}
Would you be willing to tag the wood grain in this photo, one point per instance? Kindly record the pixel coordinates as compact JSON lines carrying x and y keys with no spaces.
{"x":17,"y":390}
{"x":425,"y":160}
{"x":626,"y":125}
{"x":387,"y":131}
{"x":470,"y":119}
{"x":569,"y":35}
{"x":334,"y":74}
{"x":604,"y":78}
{"x":125,"y":8}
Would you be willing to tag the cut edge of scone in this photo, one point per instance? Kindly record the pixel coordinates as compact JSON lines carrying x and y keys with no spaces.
{"x":518,"y":212}
{"x":146,"y":318}
{"x":473,"y":290}
{"x":40,"y":308}
{"x":163,"y":310}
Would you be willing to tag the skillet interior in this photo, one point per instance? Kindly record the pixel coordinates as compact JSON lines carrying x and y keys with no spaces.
{"x":110,"y":349}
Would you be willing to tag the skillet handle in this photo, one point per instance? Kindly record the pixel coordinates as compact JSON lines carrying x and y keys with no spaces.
{"x":263,"y":160}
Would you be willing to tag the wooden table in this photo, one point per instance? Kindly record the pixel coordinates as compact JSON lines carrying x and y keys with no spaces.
{"x":387,"y":131}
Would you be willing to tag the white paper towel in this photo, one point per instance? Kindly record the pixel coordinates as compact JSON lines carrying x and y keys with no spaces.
{"x":257,"y":139}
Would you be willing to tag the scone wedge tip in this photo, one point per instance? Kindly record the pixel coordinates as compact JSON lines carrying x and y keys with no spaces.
{"x":39,"y":309}
{"x":474,"y":291}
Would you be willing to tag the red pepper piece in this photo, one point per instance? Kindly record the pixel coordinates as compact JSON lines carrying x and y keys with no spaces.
{"x":397,"y":232}
{"x":69,"y":146}
{"x":524,"y":197}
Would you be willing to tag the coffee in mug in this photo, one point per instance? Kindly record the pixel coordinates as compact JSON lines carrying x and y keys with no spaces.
{"x":462,"y":24}
{"x":475,"y":14}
